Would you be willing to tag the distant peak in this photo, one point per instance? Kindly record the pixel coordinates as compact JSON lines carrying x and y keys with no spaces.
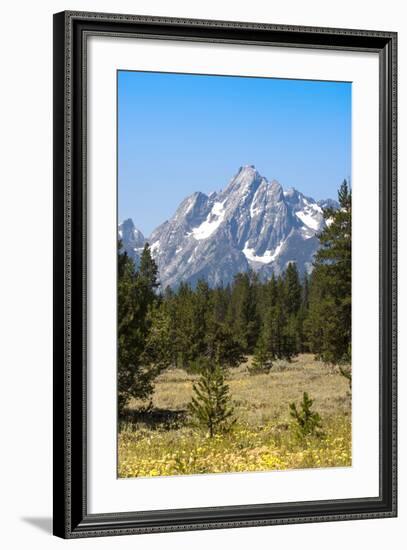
{"x":132,"y":236}
{"x":328,"y":203}
{"x":246,"y":173}
{"x":245,"y":181}
{"x":290,"y":192}
{"x":128,"y":223}
{"x":247,"y":169}
{"x":276,"y":183}
{"x":192,"y":200}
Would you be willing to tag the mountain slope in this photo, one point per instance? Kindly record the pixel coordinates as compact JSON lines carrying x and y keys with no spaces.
{"x":253,"y":224}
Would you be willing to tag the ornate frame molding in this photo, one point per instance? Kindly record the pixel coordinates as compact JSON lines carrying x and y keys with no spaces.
{"x":71,"y":29}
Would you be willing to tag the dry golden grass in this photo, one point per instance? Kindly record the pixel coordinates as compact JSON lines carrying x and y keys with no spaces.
{"x":162,"y":442}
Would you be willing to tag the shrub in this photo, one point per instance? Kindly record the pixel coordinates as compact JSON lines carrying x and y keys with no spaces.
{"x":306,"y":421}
{"x":210,"y":406}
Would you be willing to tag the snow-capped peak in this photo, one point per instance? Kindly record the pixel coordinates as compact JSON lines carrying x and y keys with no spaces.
{"x":246,"y":177}
{"x":253,"y":223}
{"x":129,"y":233}
{"x":132,"y":239}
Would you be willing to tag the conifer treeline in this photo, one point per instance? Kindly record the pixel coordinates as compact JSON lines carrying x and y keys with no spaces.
{"x":274,"y":319}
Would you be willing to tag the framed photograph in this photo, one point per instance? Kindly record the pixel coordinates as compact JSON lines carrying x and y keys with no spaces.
{"x":224,"y":274}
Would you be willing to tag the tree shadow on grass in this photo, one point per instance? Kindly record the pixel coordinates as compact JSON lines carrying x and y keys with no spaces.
{"x":156,"y":418}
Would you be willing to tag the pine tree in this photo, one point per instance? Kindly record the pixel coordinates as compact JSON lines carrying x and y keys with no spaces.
{"x":148,"y":275}
{"x":282,"y":344}
{"x":292,"y":289}
{"x":158,"y":353}
{"x":292,"y":307}
{"x":267,"y":346}
{"x":201,"y":312}
{"x":197,"y":327}
{"x":221,"y":346}
{"x":305,"y":292}
{"x":135,"y":298}
{"x":130,"y":334}
{"x":307,"y":422}
{"x":210,"y":406}
{"x":272,"y":292}
{"x":220,"y":299}
{"x":329,"y":318}
{"x":184,"y":326}
{"x":263,"y":353}
{"x":243,"y":315}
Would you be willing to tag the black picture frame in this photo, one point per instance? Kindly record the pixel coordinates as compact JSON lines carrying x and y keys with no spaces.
{"x":71,"y":518}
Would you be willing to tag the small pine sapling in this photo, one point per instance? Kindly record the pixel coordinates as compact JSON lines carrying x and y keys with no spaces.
{"x":306,"y":421}
{"x":210,"y":406}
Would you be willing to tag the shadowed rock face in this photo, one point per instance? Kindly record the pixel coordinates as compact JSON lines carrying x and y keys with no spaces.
{"x":252,"y":224}
{"x":132,"y":239}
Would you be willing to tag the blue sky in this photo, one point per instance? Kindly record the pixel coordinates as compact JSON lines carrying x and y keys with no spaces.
{"x":181,"y":133}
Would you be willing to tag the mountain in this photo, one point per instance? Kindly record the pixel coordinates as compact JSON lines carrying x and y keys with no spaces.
{"x":253,"y":224}
{"x":132,"y":239}
{"x":328,"y":203}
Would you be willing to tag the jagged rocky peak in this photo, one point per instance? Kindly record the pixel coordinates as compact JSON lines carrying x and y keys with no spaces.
{"x":132,"y":238}
{"x":130,"y":234}
{"x":252,"y":224}
{"x":290,"y":192}
{"x":193,"y":207}
{"x":246,"y":174}
{"x":245,"y":182}
{"x":126,"y":227}
{"x":275,"y":191}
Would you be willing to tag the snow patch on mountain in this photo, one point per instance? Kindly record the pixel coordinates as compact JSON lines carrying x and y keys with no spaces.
{"x":211,"y":224}
{"x":265,"y":258}
{"x":308,"y":219}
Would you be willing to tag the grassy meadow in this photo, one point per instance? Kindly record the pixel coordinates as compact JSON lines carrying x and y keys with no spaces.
{"x":158,"y":438}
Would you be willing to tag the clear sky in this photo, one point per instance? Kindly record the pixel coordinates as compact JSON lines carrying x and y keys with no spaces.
{"x":181,"y":133}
